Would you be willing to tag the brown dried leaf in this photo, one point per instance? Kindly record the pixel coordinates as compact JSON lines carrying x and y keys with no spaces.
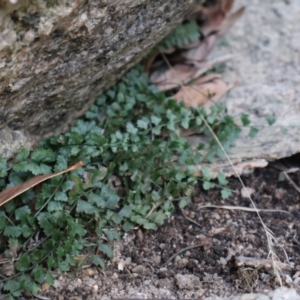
{"x":203,"y":90}
{"x":230,"y":21}
{"x":202,"y":51}
{"x":215,"y":19}
{"x":17,"y":190}
{"x":8,"y":268}
{"x":226,"y":6}
{"x":209,"y":18}
{"x":173,"y":77}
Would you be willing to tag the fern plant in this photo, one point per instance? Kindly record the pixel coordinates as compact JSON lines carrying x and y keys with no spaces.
{"x":131,"y":133}
{"x":182,"y":35}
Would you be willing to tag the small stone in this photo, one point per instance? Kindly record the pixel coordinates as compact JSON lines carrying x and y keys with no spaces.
{"x":140,"y":270}
{"x":187,"y":281}
{"x":95,"y":288}
{"x":56,"y":283}
{"x":215,"y":216}
{"x":29,"y":36}
{"x":128,"y":261}
{"x":283,"y":293}
{"x":177,"y":258}
{"x":162,"y":246}
{"x":246,"y":191}
{"x":121,"y":265}
{"x":89,"y":272}
{"x":188,"y":253}
{"x":280,"y":193}
{"x":45,"y":287}
{"x":223,"y":261}
{"x":164,"y":284}
{"x":156,"y":259}
{"x":182,"y":262}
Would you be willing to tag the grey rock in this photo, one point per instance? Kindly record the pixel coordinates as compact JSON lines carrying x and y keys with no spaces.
{"x":282,"y":293}
{"x":56,"y":58}
{"x":265,"y":63}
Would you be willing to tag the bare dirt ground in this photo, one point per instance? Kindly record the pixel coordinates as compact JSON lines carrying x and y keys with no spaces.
{"x":266,"y":61}
{"x":216,"y":237}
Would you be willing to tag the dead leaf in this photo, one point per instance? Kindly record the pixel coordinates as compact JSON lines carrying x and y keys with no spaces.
{"x":230,"y":21}
{"x":227,"y":5}
{"x":8,"y":268}
{"x":203,"y":90}
{"x":191,"y":63}
{"x":150,"y":60}
{"x":200,"y":53}
{"x":17,"y":190}
{"x":165,"y":81}
{"x":173,"y":77}
{"x":208,"y":18}
{"x":215,"y":19}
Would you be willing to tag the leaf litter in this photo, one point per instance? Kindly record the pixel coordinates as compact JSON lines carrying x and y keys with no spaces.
{"x":17,"y":190}
{"x":186,"y":63}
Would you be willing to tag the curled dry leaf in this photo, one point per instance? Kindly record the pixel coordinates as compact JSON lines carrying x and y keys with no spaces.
{"x":17,"y":190}
{"x":183,"y":74}
{"x":173,"y":77}
{"x":230,"y":21}
{"x":190,"y":62}
{"x":211,"y":19}
{"x":214,"y":23}
{"x":199,"y":53}
{"x":205,"y":90}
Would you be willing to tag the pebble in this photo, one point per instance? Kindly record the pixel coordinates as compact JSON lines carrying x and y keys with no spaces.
{"x":57,"y":283}
{"x":95,"y":288}
{"x":280,"y":193}
{"x":215,"y":216}
{"x":246,"y":191}
{"x":282,"y":293}
{"x":155,"y":259}
{"x":187,"y":281}
{"x":140,"y":270}
{"x":162,"y":246}
{"x":89,"y":272}
{"x":182,"y":262}
{"x":223,"y":261}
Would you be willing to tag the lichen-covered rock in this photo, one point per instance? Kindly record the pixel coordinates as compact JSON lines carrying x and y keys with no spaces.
{"x":57,"y":56}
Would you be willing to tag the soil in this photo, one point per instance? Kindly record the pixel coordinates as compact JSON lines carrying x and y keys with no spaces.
{"x":221,"y":238}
